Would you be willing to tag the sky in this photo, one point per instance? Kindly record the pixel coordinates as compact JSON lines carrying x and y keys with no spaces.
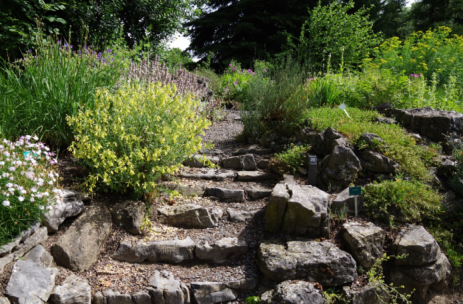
{"x":183,"y":42}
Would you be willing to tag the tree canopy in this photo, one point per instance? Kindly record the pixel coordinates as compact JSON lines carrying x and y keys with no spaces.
{"x":135,"y":20}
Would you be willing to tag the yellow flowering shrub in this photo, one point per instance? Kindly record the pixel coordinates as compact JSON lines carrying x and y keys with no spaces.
{"x":136,"y":134}
{"x":426,"y":53}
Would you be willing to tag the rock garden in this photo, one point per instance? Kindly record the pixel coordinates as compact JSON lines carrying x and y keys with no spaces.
{"x":128,"y":179}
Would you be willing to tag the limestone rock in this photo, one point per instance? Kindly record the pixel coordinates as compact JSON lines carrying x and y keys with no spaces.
{"x":250,"y":176}
{"x":4,"y":300}
{"x":74,"y":290}
{"x":376,"y":162}
{"x":446,"y":167}
{"x":228,"y":195}
{"x":428,"y":122}
{"x":419,"y":246}
{"x":208,"y":174}
{"x":340,"y":168}
{"x":172,"y":251}
{"x":254,"y":149}
{"x":223,"y":251}
{"x":187,"y":215}
{"x":237,"y":215}
{"x":435,"y":276}
{"x":365,"y":242}
{"x":211,"y":293}
{"x":326,"y":141}
{"x":129,"y":214}
{"x":39,"y":236}
{"x":276,"y":207}
{"x":244,"y":284}
{"x":39,"y":256}
{"x":141,"y":297}
{"x":293,"y":292}
{"x":366,"y":295}
{"x":306,"y":211}
{"x":185,"y":190}
{"x":69,"y":205}
{"x":370,"y":138}
{"x":241,"y":162}
{"x":165,"y":289}
{"x":312,"y":261}
{"x":255,"y":193}
{"x":118,"y":298}
{"x":30,"y":283}
{"x":275,"y":141}
{"x":305,"y":136}
{"x":78,"y":248}
{"x":263,"y":163}
{"x":344,"y":199}
{"x":99,"y":298}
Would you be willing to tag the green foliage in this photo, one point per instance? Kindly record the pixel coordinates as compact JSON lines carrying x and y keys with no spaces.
{"x":214,"y":85}
{"x":38,"y":93}
{"x":276,"y":103}
{"x":332,"y":33}
{"x":173,"y":58}
{"x":413,"y":159}
{"x":252,"y":300}
{"x":456,"y":181}
{"x":382,"y":289}
{"x":433,"y":52}
{"x":290,"y":160}
{"x":28,"y":180}
{"x":410,"y":201}
{"x":333,"y":296}
{"x":136,"y":134}
{"x":445,"y":13}
{"x":150,"y":21}
{"x":448,"y":238}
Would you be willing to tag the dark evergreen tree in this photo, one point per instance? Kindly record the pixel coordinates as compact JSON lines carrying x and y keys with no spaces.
{"x":245,"y":30}
{"x":427,"y":14}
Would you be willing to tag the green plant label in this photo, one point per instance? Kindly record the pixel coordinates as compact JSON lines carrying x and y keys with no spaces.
{"x":342,"y":106}
{"x":355,"y":191}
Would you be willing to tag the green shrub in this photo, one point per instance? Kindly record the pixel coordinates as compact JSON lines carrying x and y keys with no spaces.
{"x":27,"y":181}
{"x":38,"y":93}
{"x":136,"y":134}
{"x":413,"y":159}
{"x":214,"y":85}
{"x":289,"y":161}
{"x":276,"y":103}
{"x":409,"y":201}
{"x":456,"y":180}
{"x":423,"y":53}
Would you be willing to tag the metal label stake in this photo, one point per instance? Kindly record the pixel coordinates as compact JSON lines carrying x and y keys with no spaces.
{"x":355,"y":191}
{"x":312,"y":169}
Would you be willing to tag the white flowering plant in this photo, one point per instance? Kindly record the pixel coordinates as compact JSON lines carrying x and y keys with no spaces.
{"x":28,"y":182}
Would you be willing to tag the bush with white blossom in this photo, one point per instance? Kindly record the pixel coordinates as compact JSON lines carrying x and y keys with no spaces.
{"x":28,"y":181}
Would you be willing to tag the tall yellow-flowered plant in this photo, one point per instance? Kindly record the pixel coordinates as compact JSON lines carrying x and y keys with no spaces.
{"x":136,"y":134}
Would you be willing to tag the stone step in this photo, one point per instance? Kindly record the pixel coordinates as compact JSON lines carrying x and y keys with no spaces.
{"x":222,"y":174}
{"x":223,"y":251}
{"x":198,"y":161}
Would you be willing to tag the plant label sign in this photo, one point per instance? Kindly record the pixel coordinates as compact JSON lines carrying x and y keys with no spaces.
{"x":343,"y":107}
{"x":312,"y":169}
{"x":355,"y":191}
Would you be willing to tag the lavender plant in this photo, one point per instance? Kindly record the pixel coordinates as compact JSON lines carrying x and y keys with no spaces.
{"x":28,"y":181}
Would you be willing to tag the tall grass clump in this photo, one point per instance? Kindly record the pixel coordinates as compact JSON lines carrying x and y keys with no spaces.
{"x":50,"y":83}
{"x":275,"y":103}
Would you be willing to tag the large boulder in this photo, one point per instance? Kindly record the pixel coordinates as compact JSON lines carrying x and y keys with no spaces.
{"x":297,"y":210}
{"x":173,"y":251}
{"x":74,"y":290}
{"x":78,"y":248}
{"x":67,"y":204}
{"x":306,"y":211}
{"x":377,"y":162}
{"x":30,"y":283}
{"x":293,"y":292}
{"x":365,"y":242}
{"x":212,"y":292}
{"x":424,"y":267}
{"x":325,"y":142}
{"x":346,"y":203}
{"x":237,"y":215}
{"x":189,"y":215}
{"x":165,"y":289}
{"x":223,"y":251}
{"x":428,"y":122}
{"x":366,"y":294}
{"x":312,"y":261}
{"x":417,"y":244}
{"x":240,"y":162}
{"x":340,"y":168}
{"x":129,"y":214}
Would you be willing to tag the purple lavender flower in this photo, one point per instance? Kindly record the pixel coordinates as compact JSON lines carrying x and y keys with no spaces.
{"x":109,"y":51}
{"x":265,"y":70}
